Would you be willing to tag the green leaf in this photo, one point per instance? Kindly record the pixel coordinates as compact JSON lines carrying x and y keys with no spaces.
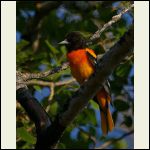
{"x":123,"y":70}
{"x":37,"y":87}
{"x":121,"y":105}
{"x":52,"y":48}
{"x":21,"y":44}
{"x":121,"y":144}
{"x":94,"y":105}
{"x":84,"y":136}
{"x":92,"y":130}
{"x":25,"y":135}
{"x":53,"y":108}
{"x":63,"y":49}
{"x":62,"y":146}
{"x":86,"y":117}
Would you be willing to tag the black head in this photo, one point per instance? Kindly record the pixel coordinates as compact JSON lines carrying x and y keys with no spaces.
{"x":74,"y":40}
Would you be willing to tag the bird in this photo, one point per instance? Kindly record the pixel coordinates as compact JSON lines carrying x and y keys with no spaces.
{"x":83,"y":62}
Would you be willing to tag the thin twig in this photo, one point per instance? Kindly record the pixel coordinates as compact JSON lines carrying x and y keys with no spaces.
{"x":51,"y":93}
{"x":110,"y":142}
{"x":38,"y":82}
{"x":28,"y":76}
{"x":46,"y":83}
{"x":114,"y":19}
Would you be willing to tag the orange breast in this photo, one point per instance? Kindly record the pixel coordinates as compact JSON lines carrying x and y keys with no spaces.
{"x":81,"y":67}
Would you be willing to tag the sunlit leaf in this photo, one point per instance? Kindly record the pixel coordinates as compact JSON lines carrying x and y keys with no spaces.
{"x":94,"y":105}
{"x":123,"y":70}
{"x":53,"y":108}
{"x":25,"y":135}
{"x":121,"y":144}
{"x":37,"y":87}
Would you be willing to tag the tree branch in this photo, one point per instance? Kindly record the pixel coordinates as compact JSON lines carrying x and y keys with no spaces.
{"x":34,"y":110}
{"x":95,"y":37}
{"x":110,"y":142}
{"x":46,"y":83}
{"x":29,"y":76}
{"x":38,"y":115}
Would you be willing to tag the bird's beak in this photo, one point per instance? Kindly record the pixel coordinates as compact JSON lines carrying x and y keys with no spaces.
{"x":65,"y":42}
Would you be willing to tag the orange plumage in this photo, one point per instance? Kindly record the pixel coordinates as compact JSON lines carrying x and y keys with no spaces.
{"x":81,"y":67}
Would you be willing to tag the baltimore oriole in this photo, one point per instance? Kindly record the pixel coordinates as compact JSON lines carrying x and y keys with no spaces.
{"x":82,"y":62}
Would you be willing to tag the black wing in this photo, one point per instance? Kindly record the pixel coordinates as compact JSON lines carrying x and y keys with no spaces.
{"x":92,"y":59}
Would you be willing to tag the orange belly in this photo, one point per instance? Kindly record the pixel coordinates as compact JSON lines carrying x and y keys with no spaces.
{"x":81,"y":67}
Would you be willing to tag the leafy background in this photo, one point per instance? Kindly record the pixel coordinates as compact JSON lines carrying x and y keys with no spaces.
{"x":37,"y":51}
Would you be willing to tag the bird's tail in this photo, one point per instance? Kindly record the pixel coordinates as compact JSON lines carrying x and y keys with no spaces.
{"x":107,"y":123}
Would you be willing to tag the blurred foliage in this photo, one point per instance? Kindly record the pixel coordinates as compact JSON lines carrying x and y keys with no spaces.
{"x":42,"y":52}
